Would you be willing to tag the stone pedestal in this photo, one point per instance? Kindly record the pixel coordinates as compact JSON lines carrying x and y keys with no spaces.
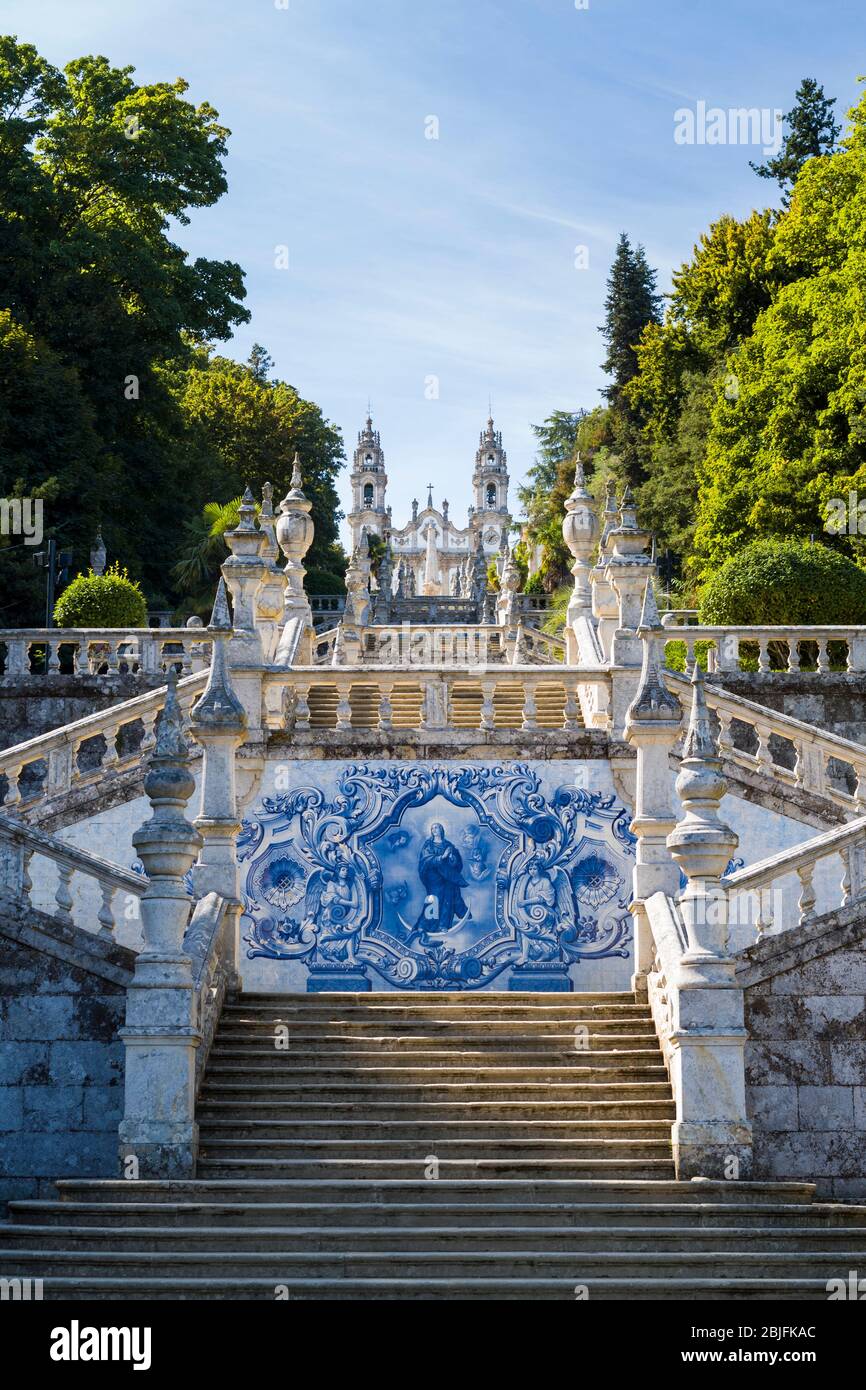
{"x":158,"y":1127}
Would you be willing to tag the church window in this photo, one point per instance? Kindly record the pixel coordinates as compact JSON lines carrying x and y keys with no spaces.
{"x":368,"y":494}
{"x":491,"y":495}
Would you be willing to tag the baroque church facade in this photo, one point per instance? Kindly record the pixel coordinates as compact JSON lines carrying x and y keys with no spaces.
{"x":431,"y":554}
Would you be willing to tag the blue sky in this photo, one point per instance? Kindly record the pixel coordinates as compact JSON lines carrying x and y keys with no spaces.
{"x":412,"y":258}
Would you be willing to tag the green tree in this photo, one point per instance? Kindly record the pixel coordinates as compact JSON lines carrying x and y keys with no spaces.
{"x":631,"y":303}
{"x":94,"y":170}
{"x":792,"y":435}
{"x":812,"y":132}
{"x":244,"y":431}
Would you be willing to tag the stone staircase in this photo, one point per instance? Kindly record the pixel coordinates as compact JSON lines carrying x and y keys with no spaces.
{"x":437,"y":1147}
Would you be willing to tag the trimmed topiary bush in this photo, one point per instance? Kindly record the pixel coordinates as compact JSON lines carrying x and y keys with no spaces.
{"x":102,"y":600}
{"x":785,"y":583}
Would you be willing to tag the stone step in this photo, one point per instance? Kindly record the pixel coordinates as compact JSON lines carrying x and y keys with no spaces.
{"x":465,"y":1238}
{"x":251,"y":1085}
{"x":265,"y":1042}
{"x":469,"y":1032}
{"x":465,"y":1001}
{"x":616,"y":1066}
{"x":349,"y":1132}
{"x":491,"y":1190}
{"x":376,"y":1169}
{"x":479,"y":1018}
{"x":408,"y":1149}
{"x":577,"y":1265}
{"x":116,"y":1289}
{"x":481,"y":1212}
{"x":242,"y":1110}
{"x":496,"y":1057}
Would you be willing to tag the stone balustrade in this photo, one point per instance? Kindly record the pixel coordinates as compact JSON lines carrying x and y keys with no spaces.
{"x":808,"y":650}
{"x":32,"y":652}
{"x":89,"y":750}
{"x":407,"y":644}
{"x":757,"y":882}
{"x":787,"y":750}
{"x":21,"y":844}
{"x":426,"y":698}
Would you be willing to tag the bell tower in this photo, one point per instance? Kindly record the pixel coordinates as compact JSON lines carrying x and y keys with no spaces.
{"x":369,"y":481}
{"x":490,"y":488}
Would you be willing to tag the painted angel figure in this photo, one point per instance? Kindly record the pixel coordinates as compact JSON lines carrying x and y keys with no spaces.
{"x":331,"y":909}
{"x":543,"y":907}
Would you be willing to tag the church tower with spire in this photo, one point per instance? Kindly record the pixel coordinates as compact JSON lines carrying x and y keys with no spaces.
{"x":490,"y":487}
{"x":369,"y":482}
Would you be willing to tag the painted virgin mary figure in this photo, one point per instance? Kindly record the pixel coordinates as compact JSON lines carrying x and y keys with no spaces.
{"x":440,"y":869}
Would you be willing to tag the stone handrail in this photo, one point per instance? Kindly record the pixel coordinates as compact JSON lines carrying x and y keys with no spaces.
{"x":725,"y":642}
{"x":848,"y":841}
{"x":105,"y":651}
{"x":209,"y":943}
{"x":430,"y":697}
{"x":324,"y":642}
{"x":812,"y":750}
{"x":531,"y":642}
{"x":59,"y":749}
{"x":22,"y":843}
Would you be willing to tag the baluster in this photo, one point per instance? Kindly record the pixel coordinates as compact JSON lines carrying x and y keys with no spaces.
{"x":764,"y":757}
{"x":530,"y":720}
{"x":823,"y":660}
{"x":110,"y":757}
{"x":148,"y":736}
{"x":52,"y":652}
{"x":26,"y":880}
{"x":807,"y":893}
{"x":344,"y":707}
{"x":725,"y":718}
{"x":185,"y":660}
{"x":82,"y":657}
{"x":105,"y":916}
{"x":571,"y":713}
{"x":764,"y":922}
{"x":860,"y":788}
{"x":386,"y":710}
{"x":488,"y":709}
{"x":302,"y":706}
{"x":112,"y":660}
{"x":793,"y":654}
{"x":63,"y":895}
{"x":763,"y":654}
{"x":690,"y":655}
{"x":13,"y":788}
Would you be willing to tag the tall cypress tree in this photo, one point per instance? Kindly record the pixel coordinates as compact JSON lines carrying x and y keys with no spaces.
{"x":632,"y":302}
{"x":811,"y":131}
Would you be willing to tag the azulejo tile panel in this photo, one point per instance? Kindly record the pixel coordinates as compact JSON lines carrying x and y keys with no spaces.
{"x":448,"y":876}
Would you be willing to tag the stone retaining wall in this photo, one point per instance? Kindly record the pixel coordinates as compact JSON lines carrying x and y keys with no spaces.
{"x":36,"y":705}
{"x":62,"y":1001}
{"x":805,"y":1011}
